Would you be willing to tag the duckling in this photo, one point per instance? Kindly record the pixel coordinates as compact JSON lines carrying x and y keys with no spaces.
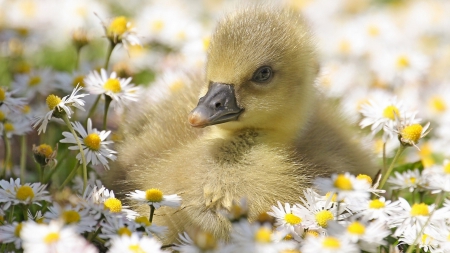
{"x":259,"y":129}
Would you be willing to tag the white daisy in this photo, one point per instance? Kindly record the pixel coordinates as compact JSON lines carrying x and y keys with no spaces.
{"x":56,"y":105}
{"x":120,"y":30}
{"x":379,"y":209}
{"x":53,"y":237}
{"x":150,"y":228}
{"x":118,"y":89}
{"x":201,"y":242}
{"x":100,"y":200}
{"x":93,"y":143}
{"x":68,"y":81}
{"x":329,"y":244}
{"x":425,"y":241}
{"x":246,"y":237}
{"x":381,"y":115}
{"x":345,"y":186}
{"x":410,"y":133}
{"x":116,"y":226}
{"x":410,"y":179}
{"x":291,"y":220}
{"x":10,"y":233}
{"x":77,"y":216}
{"x":13,"y":192}
{"x":38,"y":81}
{"x":134,"y":244}
{"x":437,"y":177}
{"x":10,"y":102}
{"x":319,"y":212}
{"x":155,"y":198}
{"x":15,"y":126}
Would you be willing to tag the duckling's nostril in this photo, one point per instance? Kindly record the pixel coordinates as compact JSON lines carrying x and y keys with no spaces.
{"x":218,"y":104}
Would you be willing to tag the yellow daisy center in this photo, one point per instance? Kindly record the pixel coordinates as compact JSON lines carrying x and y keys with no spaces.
{"x":390,"y":112}
{"x":2,"y":95}
{"x":2,"y":116}
{"x":206,"y":41}
{"x":419,"y":209}
{"x":447,"y":168}
{"x":411,"y":180}
{"x":8,"y":127}
{"x":44,"y":150}
{"x":51,"y":237}
{"x":78,"y":80}
{"x":154,"y":195}
{"x":292,"y":219}
{"x":365,"y":177}
{"x":53,"y":101}
{"x":114,"y":205}
{"x":345,"y":46}
{"x":343,"y":183}
{"x":135,"y":248}
{"x":143,"y":220}
{"x":403,"y":62}
{"x":323,"y":217}
{"x":333,"y":198}
{"x":17,"y":230}
{"x":71,"y":216}
{"x":157,"y":25}
{"x":24,"y":192}
{"x":356,"y":228}
{"x":35,"y":80}
{"x":376,"y":204}
{"x":438,"y":104}
{"x":26,"y":109}
{"x":424,"y":238}
{"x":263,"y":235}
{"x":119,"y":25}
{"x":124,"y":231}
{"x":331,"y":243}
{"x":312,"y":233}
{"x":412,"y":133}
{"x":92,"y":141}
{"x":113,"y":85}
{"x":373,"y":30}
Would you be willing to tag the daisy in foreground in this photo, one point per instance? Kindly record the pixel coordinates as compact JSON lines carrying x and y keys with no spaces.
{"x":93,"y":143}
{"x":134,"y":244}
{"x":118,"y":89}
{"x":155,"y":198}
{"x":57,"y":107}
{"x":53,"y":237}
{"x":13,"y":192}
{"x":345,"y":186}
{"x":329,"y":244}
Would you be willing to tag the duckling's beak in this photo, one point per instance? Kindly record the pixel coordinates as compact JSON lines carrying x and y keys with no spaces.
{"x":217,"y":106}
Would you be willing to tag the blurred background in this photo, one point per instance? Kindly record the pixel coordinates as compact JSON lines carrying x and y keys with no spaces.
{"x":369,"y":50}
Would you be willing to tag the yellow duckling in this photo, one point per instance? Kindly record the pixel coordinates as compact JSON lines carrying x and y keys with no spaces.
{"x":259,"y":131}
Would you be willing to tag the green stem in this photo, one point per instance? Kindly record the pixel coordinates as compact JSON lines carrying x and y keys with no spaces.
{"x":25,"y":213}
{"x":23,"y":157}
{"x":7,"y":154}
{"x":384,"y":157}
{"x":385,"y":175}
{"x":437,"y":203}
{"x":152,"y":211}
{"x":50,"y":174}
{"x":39,"y":169}
{"x":111,"y":47}
{"x":92,"y":110}
{"x":69,"y":178}
{"x":77,"y":59}
{"x":83,"y":158}
{"x":105,"y":115}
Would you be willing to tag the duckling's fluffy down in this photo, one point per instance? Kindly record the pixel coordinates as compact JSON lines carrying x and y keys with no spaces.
{"x":213,"y":166}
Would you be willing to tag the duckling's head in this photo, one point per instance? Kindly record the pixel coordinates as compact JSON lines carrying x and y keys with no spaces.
{"x":260,"y":71}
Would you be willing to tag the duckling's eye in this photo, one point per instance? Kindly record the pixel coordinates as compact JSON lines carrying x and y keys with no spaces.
{"x":262,"y":75}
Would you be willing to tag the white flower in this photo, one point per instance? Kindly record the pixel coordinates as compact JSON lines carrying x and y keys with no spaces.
{"x":290,"y":219}
{"x":15,"y":126}
{"x":201,"y":242}
{"x":150,"y":228}
{"x":379,"y":209}
{"x":155,"y":198}
{"x":246,"y":237}
{"x":120,"y":30}
{"x":13,"y":192}
{"x":53,"y":237}
{"x":425,"y":241}
{"x":329,"y":244}
{"x":410,"y":179}
{"x":437,"y":177}
{"x":13,"y":104}
{"x":134,"y":244}
{"x":409,"y":132}
{"x":56,"y":105}
{"x":38,"y":81}
{"x":345,"y":186}
{"x":93,"y":143}
{"x":100,"y":200}
{"x":10,"y":233}
{"x":114,"y":226}
{"x":118,"y":89}
{"x":77,"y":216}
{"x":382,"y":115}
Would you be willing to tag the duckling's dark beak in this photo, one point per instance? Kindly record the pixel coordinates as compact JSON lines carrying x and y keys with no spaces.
{"x":217,"y":106}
